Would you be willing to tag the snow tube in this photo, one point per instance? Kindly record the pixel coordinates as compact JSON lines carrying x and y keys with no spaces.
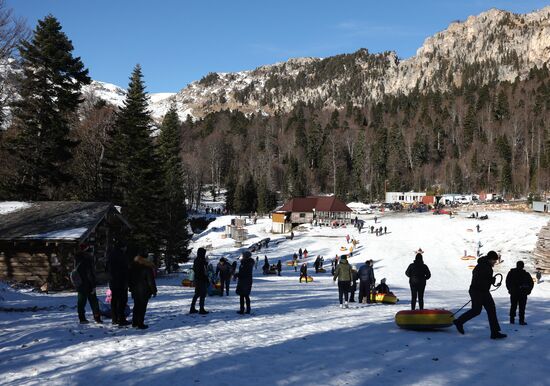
{"x":290,"y":263}
{"x":469,"y":230}
{"x":187,"y":283}
{"x":321,"y":270}
{"x":218,"y":285}
{"x":424,"y":319}
{"x":309,"y":279}
{"x":471,"y":266}
{"x":343,"y":249}
{"x":389,"y":298}
{"x":468,"y":258}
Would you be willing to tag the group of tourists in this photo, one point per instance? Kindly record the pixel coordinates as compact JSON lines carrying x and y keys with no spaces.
{"x":201,"y":281}
{"x":129,"y":270}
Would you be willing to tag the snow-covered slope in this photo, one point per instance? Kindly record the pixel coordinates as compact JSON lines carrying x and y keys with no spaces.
{"x":297,"y":334}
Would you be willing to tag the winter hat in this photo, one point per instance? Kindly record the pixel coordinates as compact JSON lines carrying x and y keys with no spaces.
{"x":520,"y":264}
{"x":383,"y":281}
{"x":419,"y":258}
{"x":201,"y":252}
{"x":343,"y":257}
{"x":247,"y":254}
{"x":492,"y":255}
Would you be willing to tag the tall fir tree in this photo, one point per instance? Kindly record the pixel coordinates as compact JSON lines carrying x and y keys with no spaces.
{"x":173,"y":208}
{"x":132,"y":158}
{"x":50,"y":96}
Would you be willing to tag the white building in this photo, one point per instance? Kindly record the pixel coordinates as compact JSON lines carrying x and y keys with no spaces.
{"x":541,"y":206}
{"x":404,"y":197}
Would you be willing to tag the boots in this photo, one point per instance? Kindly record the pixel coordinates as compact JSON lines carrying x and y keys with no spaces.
{"x":512,"y":320}
{"x":522,"y":322}
{"x":202,"y":311}
{"x":193,"y":310}
{"x":498,"y":335}
{"x":459,"y":326}
{"x":83,"y":320}
{"x":97,"y":319}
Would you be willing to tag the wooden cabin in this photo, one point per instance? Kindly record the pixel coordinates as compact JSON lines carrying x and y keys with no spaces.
{"x":38,"y":240}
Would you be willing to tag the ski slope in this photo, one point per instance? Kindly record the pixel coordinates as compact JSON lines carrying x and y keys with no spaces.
{"x":297,"y":333}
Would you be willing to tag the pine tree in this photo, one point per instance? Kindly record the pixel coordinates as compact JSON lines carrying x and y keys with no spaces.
{"x":173,"y":208}
{"x":50,"y":95}
{"x":136,"y":185}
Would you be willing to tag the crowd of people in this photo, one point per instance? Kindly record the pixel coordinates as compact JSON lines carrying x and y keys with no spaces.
{"x":130,"y":270}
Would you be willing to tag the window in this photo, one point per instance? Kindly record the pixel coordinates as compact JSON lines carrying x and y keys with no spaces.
{"x":302,"y":215}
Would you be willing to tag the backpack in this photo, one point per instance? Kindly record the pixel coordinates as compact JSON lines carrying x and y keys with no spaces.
{"x":75,"y":278}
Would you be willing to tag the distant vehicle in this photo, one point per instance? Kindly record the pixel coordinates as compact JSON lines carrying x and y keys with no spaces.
{"x":462,"y":200}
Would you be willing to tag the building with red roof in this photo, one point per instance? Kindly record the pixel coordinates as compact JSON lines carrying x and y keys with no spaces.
{"x":322,"y":210}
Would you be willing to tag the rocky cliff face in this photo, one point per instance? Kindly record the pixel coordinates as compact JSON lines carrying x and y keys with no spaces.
{"x":495,"y":45}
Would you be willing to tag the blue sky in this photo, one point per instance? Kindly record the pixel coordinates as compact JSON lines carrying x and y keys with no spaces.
{"x":177,"y":42}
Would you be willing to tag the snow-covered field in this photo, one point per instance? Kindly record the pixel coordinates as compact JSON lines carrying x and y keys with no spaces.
{"x":297,"y":333}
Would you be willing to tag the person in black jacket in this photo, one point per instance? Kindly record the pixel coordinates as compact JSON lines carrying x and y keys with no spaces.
{"x":200,"y":268}
{"x":117,"y":263}
{"x":86,"y":289}
{"x":418,"y":273}
{"x":244,"y":283}
{"x":519,"y":284}
{"x":303,"y":272}
{"x":224,"y":271}
{"x":279,"y":268}
{"x":142,"y":286}
{"x":366,"y":281}
{"x":482,"y":279}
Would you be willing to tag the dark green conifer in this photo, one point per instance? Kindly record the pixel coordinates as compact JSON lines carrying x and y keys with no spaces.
{"x":50,"y":95}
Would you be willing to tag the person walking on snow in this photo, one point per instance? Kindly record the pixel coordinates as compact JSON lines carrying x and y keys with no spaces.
{"x":86,"y":287}
{"x":303,"y":272}
{"x":279,"y":268}
{"x":418,"y":273}
{"x":117,"y":265}
{"x":480,"y":294}
{"x":343,"y":274}
{"x":223,"y":271}
{"x":142,"y":286}
{"x":200,"y":267}
{"x":519,"y":284}
{"x":347,"y":239}
{"x":305,"y":253}
{"x":244,"y":284}
{"x":366,"y":281}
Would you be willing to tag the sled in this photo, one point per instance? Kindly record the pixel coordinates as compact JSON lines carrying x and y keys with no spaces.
{"x":424,"y":319}
{"x":471,"y":266}
{"x":321,"y":270}
{"x":187,"y":283}
{"x":343,"y":249}
{"x":388,"y":298}
{"x":105,"y":309}
{"x":309,"y":279}
{"x":290,"y":263}
{"x":469,"y":257}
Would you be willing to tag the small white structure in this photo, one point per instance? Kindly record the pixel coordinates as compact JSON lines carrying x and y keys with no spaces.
{"x":404,"y":197}
{"x":541,"y":206}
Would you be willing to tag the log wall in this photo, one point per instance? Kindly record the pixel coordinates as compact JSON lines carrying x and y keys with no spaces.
{"x":542,"y":249}
{"x":25,"y":267}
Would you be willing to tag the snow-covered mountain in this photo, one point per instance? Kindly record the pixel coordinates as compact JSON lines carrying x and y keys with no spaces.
{"x":495,"y":45}
{"x":115,"y":95}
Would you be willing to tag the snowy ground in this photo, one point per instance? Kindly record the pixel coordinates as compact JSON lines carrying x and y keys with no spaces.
{"x":297,"y":334}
